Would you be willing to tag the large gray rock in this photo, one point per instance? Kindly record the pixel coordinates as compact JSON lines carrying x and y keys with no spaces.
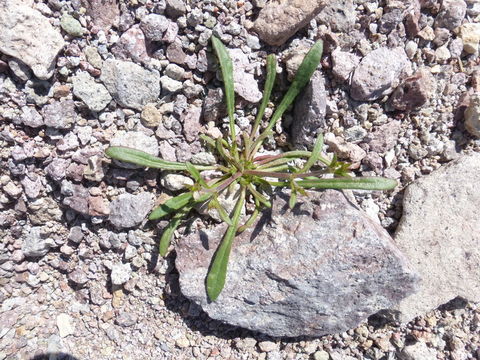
{"x":28,"y":36}
{"x":129,"y":84}
{"x":379,"y":72}
{"x":439,"y":234}
{"x":36,"y":243}
{"x":129,"y":210}
{"x":309,"y":114}
{"x":322,"y":268}
{"x":93,"y":94}
{"x":280,"y":20}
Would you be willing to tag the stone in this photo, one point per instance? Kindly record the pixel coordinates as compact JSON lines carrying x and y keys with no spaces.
{"x":379,"y":72}
{"x":19,"y":69}
{"x":341,"y":268}
{"x":309,"y":114}
{"x":175,"y":8}
{"x":76,"y":234}
{"x":27,"y":35}
{"x":472,"y":115}
{"x":57,"y":168}
{"x":176,"y":182}
{"x":44,"y":210}
{"x":390,"y":19}
{"x":120,"y":274}
{"x":131,"y":45}
{"x":384,"y":137}
{"x":203,"y":158}
{"x":64,"y":325}
{"x":438,"y":232}
{"x":151,"y":116}
{"x":414,"y":92}
{"x":417,"y":351}
{"x":339,"y":15}
{"x":153,"y":26}
{"x":104,"y":13}
{"x":244,"y":83}
{"x":31,"y":117}
{"x":71,"y":25}
{"x":78,"y":277}
{"x":129,"y":210}
{"x":294,"y":58}
{"x":170,"y":85}
{"x":278,"y":21}
{"x":214,"y":107}
{"x":135,"y":140}
{"x":191,"y":122}
{"x":451,"y":14}
{"x":345,"y":150}
{"x":175,"y":72}
{"x":470,"y":35}
{"x":343,"y":64}
{"x":321,"y":355}
{"x":36,"y":243}
{"x":93,"y":94}
{"x":98,"y":206}
{"x":60,"y":114}
{"x":129,"y":84}
{"x":32,"y":185}
{"x":77,"y":199}
{"x":175,"y":53}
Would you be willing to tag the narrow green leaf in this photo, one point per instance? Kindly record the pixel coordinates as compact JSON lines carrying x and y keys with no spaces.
{"x":259,"y":196}
{"x":218,"y":270}
{"x":302,"y":77}
{"x":317,"y":150}
{"x":221,"y":211}
{"x":249,"y":222}
{"x":267,"y":91}
{"x":226,"y":66}
{"x":293,"y":199}
{"x":167,"y":234}
{"x":361,"y":183}
{"x":171,"y":205}
{"x":142,"y":158}
{"x":195,"y":174}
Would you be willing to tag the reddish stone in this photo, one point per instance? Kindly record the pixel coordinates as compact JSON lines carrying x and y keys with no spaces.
{"x":104,"y":13}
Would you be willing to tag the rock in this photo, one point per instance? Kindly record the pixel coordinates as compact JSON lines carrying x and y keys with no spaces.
{"x":342,"y":267}
{"x":175,"y":72}
{"x":170,"y":85}
{"x":191,"y":122}
{"x":36,"y":243}
{"x":77,"y":199}
{"x":31,"y":117}
{"x":131,"y":45}
{"x":57,"y":168}
{"x":60,"y":114}
{"x":345,"y":150}
{"x":343,"y":64}
{"x":71,"y":25}
{"x":175,"y":53}
{"x":104,"y":13}
{"x":439,"y":234}
{"x":294,"y":58}
{"x":203,"y":158}
{"x":321,"y":355}
{"x":120,"y":274}
{"x":44,"y":210}
{"x":76,"y":234}
{"x":151,"y":116}
{"x":32,"y":185}
{"x":390,"y":19}
{"x":413,"y":92}
{"x":451,"y":14}
{"x":153,"y":26}
{"x":245,"y":84}
{"x":19,"y":69}
{"x":98,"y":206}
{"x":379,"y":73}
{"x":339,"y":15}
{"x":135,"y":140}
{"x":278,"y":21}
{"x":214,"y":107}
{"x":78,"y":277}
{"x":176,"y":182}
{"x":417,"y":351}
{"x":309,"y":114}
{"x":27,"y":35}
{"x":64,"y":324}
{"x":384,"y":137}
{"x":472,"y":115}
{"x":93,"y":94}
{"x":129,"y":210}
{"x":175,"y":8}
{"x":129,"y":84}
{"x":470,"y":35}
{"x":267,"y":346}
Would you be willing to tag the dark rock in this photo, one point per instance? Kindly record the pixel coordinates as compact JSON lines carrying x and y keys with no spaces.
{"x":175,"y":8}
{"x":451,"y":14}
{"x":175,"y":53}
{"x":78,"y":201}
{"x":214,"y":107}
{"x":390,"y":20}
{"x":309,"y":114}
{"x":319,"y":269}
{"x":76,"y":234}
{"x":413,"y":92}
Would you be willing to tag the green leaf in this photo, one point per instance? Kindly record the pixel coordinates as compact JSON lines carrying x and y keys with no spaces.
{"x":267,"y":91}
{"x":221,"y":211}
{"x":218,"y":270}
{"x":171,"y":205}
{"x":142,"y":158}
{"x":361,"y":183}
{"x":317,"y":150}
{"x":167,"y":234}
{"x":259,"y":196}
{"x":249,"y":222}
{"x":226,"y":66}
{"x":293,"y":199}
{"x":302,"y":77}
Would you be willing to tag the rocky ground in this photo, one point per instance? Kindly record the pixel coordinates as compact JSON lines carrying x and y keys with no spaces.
{"x":396,"y":95}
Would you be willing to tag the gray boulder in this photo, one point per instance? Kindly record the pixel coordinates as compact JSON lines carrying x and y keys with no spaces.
{"x":322,"y":268}
{"x":309,"y":114}
{"x":439,"y":234}
{"x":129,"y":210}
